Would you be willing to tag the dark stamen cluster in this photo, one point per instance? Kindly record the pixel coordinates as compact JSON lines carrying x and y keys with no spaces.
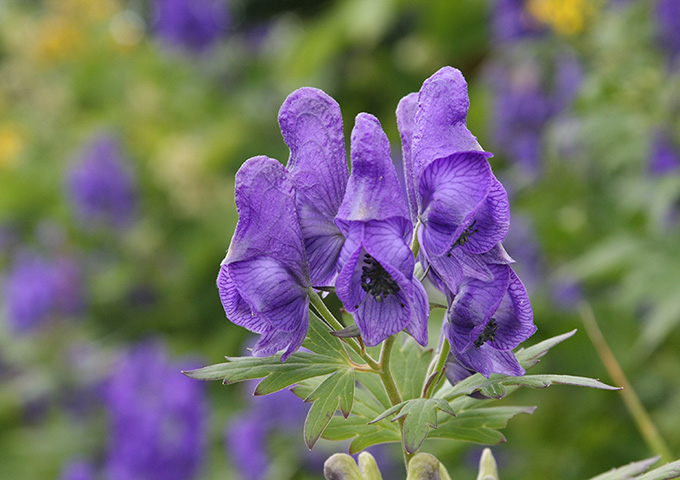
{"x":376,"y":281}
{"x":462,"y":240}
{"x":488,"y":334}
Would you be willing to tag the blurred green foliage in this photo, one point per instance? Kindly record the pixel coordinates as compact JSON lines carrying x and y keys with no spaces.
{"x":72,"y":68}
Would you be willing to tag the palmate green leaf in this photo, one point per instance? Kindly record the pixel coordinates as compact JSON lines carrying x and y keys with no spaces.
{"x":420,"y":416}
{"x":336,"y":390}
{"x":530,"y":356}
{"x":409,"y":366}
{"x":478,"y":425}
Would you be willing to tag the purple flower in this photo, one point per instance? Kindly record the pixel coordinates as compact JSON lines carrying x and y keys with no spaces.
{"x":486,"y":320}
{"x":510,"y":22}
{"x":101,"y":185}
{"x":376,"y":281}
{"x":462,"y":209}
{"x":193,"y":25}
{"x":664,"y":157}
{"x":311,"y":124}
{"x":157,"y":418}
{"x":668,"y":22}
{"x":264,"y":278}
{"x":248,"y":435}
{"x":526,"y":97}
{"x":78,"y":470}
{"x":37,"y":289}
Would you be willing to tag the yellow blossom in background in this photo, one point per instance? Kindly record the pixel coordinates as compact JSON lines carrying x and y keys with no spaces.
{"x":566,"y":17}
{"x":57,"y":38}
{"x":11,"y":145}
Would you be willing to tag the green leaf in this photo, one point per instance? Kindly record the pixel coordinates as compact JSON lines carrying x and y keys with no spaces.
{"x":478,"y":425}
{"x":278,"y":375}
{"x":477,"y":382}
{"x":635,"y":471}
{"x":420,"y":416}
{"x":528,"y":357}
{"x":668,"y":471}
{"x":409,"y":365}
{"x":628,"y":472}
{"x":320,"y":340}
{"x":336,"y":390}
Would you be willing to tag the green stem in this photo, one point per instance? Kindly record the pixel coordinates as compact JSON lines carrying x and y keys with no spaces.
{"x":415,"y":245}
{"x":436,"y":365}
{"x":391,"y":386}
{"x":644,"y":423}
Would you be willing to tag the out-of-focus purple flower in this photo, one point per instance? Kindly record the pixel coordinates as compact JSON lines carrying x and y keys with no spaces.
{"x":37,"y":289}
{"x":668,"y":22}
{"x":78,"y":470}
{"x":566,"y":292}
{"x":376,"y":282}
{"x":664,"y":157}
{"x":157,"y":418}
{"x":247,"y":437}
{"x":311,"y":124}
{"x":193,"y":25}
{"x":510,"y":22}
{"x":101,"y":185}
{"x":525,"y":99}
{"x":264,"y":279}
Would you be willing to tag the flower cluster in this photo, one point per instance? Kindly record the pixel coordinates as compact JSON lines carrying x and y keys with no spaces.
{"x":314,"y":225}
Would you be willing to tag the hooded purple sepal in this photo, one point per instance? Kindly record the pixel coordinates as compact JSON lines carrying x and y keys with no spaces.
{"x":440,"y":124}
{"x":264,"y":279}
{"x":486,"y":320}
{"x":406,"y":116}
{"x":311,"y":124}
{"x":373,"y":191}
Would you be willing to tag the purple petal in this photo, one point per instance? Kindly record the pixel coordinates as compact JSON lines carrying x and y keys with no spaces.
{"x":440,"y":124}
{"x":376,"y":320}
{"x":271,"y":291}
{"x":514,"y":316}
{"x":237,"y":309}
{"x":406,"y":116}
{"x":492,"y":221}
{"x":452,"y":269}
{"x":420,"y":312}
{"x":452,"y":189}
{"x":385,"y":242}
{"x":497,"y":255}
{"x":487,"y":360}
{"x":373,"y":191}
{"x":275,"y":340}
{"x":268,"y":223}
{"x":473,"y":306}
{"x":311,"y":124}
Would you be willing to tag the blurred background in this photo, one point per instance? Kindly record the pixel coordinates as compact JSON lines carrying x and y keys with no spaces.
{"x":123,"y":122}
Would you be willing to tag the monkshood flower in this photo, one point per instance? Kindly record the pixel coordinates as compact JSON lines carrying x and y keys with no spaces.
{"x":157,"y":418}
{"x":311,"y":124}
{"x":461,"y":208}
{"x":37,"y":289}
{"x":193,"y":25}
{"x":376,"y":281}
{"x":101,"y":185}
{"x":264,"y":278}
{"x":487,"y":320}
